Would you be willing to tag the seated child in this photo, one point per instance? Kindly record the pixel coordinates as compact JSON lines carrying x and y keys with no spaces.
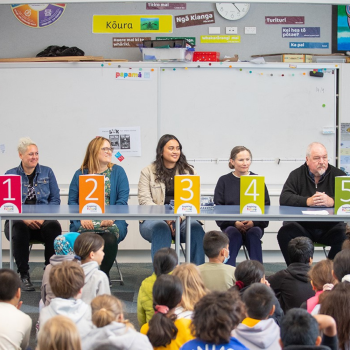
{"x":164,"y":330}
{"x":193,"y":289}
{"x":321,"y":279}
{"x":258,"y":331}
{"x":292,"y":286}
{"x":341,"y":265}
{"x":59,"y":333}
{"x":63,"y":246}
{"x":164,"y":262}
{"x":300,"y":330}
{"x":249,"y":272}
{"x":66,"y":281}
{"x":215,"y":273}
{"x":15,"y":325}
{"x":215,"y":316}
{"x":89,"y":248}
{"x":112,"y":328}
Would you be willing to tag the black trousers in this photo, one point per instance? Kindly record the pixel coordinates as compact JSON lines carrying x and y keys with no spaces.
{"x":329,"y":233}
{"x":110,"y":249}
{"x":22,"y":235}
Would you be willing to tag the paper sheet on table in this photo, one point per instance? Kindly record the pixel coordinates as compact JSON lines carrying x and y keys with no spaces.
{"x":316,"y":212}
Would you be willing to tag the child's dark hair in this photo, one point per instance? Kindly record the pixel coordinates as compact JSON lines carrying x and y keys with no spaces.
{"x":300,"y":250}
{"x":259,"y":300}
{"x":341,"y":264}
{"x":167,"y":293}
{"x":298,"y":327}
{"x":164,"y":261}
{"x":346,"y":243}
{"x":86,"y":243}
{"x":216,"y":315}
{"x":248,"y":272}
{"x":66,"y":279}
{"x":214,"y":242}
{"x":321,"y":274}
{"x":9,"y":284}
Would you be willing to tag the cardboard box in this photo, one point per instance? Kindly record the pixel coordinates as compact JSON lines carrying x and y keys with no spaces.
{"x":296,"y":58}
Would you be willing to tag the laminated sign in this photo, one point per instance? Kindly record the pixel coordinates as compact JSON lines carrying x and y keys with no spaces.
{"x":91,"y":194}
{"x":187,"y":197}
{"x":10,"y":194}
{"x":342,"y":195}
{"x":252,"y":197}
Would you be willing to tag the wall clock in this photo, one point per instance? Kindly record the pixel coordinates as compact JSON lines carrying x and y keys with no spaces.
{"x":232,"y":11}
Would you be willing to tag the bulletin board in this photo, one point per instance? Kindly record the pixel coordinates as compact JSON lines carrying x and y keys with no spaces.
{"x":276,"y":112}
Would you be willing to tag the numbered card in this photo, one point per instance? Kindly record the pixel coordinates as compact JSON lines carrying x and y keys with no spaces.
{"x":91,"y":194}
{"x":10,"y":194}
{"x":252,"y":196}
{"x":187,"y":197}
{"x":342,"y":195}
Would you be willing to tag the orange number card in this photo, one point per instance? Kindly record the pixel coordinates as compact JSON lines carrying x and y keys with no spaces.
{"x":91,"y":194}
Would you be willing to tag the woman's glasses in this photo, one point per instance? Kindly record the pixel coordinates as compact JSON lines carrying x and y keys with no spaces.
{"x":107,"y":149}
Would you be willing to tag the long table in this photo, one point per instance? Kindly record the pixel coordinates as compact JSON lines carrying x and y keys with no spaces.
{"x":272,"y":213}
{"x":112,"y":212}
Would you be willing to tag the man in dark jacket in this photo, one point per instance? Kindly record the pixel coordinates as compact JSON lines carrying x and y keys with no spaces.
{"x":292,"y":286}
{"x":312,"y":185}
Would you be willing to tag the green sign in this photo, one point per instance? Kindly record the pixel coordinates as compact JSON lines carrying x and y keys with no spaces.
{"x":342,"y":195}
{"x":252,"y":198}
{"x":191,"y":40}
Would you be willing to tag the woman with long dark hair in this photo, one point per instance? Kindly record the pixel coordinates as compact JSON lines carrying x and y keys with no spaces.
{"x":156,"y":187}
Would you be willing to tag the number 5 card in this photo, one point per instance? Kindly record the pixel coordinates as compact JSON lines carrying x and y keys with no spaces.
{"x":10,"y":194}
{"x":342,"y":195}
{"x":91,"y":194}
{"x":252,"y":197}
{"x":187,"y":197}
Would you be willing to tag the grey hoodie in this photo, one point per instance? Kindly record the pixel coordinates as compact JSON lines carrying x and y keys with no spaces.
{"x":264,"y":335}
{"x":75,"y":309}
{"x":46,"y":291}
{"x":96,"y":282}
{"x":117,"y":336}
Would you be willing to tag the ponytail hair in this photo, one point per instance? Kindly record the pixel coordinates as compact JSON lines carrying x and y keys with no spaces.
{"x":106,"y":309}
{"x":86,"y":243}
{"x":167,"y":294}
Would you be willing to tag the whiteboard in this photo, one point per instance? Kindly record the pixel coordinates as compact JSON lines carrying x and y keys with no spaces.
{"x":274,"y":112}
{"x":61,"y":107}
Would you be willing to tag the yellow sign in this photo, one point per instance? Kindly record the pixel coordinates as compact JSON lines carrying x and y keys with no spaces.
{"x":132,"y":24}
{"x":252,"y":197}
{"x":91,"y":194}
{"x":220,"y":39}
{"x":187,"y":197}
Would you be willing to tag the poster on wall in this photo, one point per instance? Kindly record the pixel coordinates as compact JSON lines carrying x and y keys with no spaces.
{"x":124,"y":140}
{"x":38,"y":15}
{"x":341,"y":28}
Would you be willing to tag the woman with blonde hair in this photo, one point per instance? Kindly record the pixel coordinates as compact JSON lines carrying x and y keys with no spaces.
{"x":112,"y":328}
{"x":193,"y":289}
{"x":59,"y":333}
{"x":97,"y":160}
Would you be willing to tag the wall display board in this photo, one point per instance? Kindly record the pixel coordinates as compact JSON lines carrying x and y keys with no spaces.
{"x":273,"y":110}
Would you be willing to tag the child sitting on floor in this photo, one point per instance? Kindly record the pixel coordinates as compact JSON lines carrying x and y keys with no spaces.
{"x":67,"y":281}
{"x":216,"y":274}
{"x":258,"y":331}
{"x":215,"y":316}
{"x":112,"y":328}
{"x":164,"y":262}
{"x":89,"y":248}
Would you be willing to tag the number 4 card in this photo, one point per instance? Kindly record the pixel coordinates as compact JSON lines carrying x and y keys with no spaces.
{"x":10,"y":194}
{"x":252,"y":197}
{"x":91,"y":194}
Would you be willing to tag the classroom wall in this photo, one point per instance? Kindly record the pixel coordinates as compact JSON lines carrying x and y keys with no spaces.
{"x":74,"y":28}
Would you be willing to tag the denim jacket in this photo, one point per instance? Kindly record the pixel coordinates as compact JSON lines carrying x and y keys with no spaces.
{"x":45,"y":184}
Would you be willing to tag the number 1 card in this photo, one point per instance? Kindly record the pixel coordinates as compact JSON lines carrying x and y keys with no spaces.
{"x":91,"y":194}
{"x":252,"y":197}
{"x":10,"y":194}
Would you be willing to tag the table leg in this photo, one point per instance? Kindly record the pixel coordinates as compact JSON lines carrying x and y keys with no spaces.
{"x":11,"y":252}
{"x":188,"y":239}
{"x":177,"y":237}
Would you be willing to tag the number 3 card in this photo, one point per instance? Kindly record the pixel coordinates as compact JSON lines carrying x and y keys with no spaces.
{"x":10,"y":194}
{"x":91,"y":194}
{"x":252,"y":198}
{"x":187,"y":197}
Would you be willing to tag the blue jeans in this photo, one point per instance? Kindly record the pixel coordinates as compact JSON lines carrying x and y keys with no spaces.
{"x":252,"y":241}
{"x":158,"y":233}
